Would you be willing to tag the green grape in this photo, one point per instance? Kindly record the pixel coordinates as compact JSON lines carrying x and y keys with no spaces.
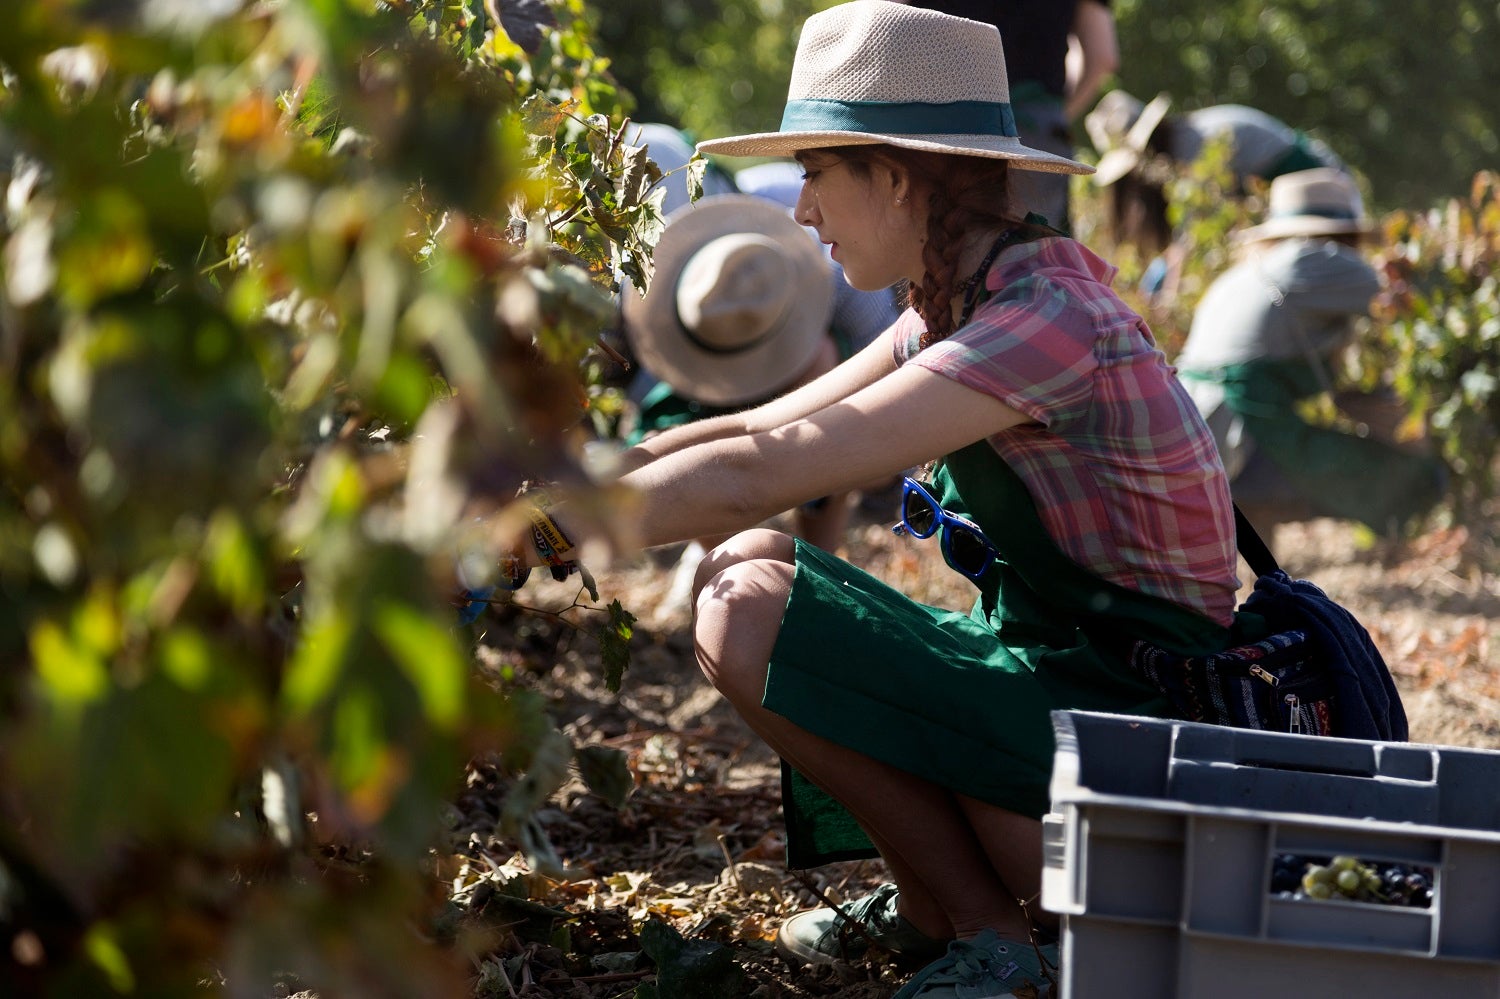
{"x":1345,"y":877}
{"x":1316,"y":876}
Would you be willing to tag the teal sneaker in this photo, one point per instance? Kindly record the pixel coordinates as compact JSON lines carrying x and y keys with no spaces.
{"x":823,"y":936}
{"x":985,"y":967}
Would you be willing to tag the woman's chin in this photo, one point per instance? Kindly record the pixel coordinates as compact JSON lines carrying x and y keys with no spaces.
{"x":863,"y":282}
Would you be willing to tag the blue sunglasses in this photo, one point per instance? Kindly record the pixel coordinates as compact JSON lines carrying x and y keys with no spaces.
{"x":965,"y":548}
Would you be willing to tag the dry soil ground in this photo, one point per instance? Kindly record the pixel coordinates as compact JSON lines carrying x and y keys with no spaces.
{"x":699,"y":843}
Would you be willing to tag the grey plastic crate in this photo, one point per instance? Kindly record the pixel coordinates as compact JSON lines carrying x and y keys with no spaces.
{"x":1162,"y":837}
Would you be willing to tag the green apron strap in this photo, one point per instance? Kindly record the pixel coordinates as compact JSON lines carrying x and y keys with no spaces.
{"x":981,"y":485}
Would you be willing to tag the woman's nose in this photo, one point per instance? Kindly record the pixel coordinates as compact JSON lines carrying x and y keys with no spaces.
{"x":806,"y":210}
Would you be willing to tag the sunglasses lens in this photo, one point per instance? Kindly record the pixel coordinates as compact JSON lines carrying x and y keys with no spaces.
{"x":968,"y":552}
{"x":920,"y":517}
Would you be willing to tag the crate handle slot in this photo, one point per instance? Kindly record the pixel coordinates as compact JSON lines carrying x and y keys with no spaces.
{"x":1332,"y":771}
{"x":1279,"y":751}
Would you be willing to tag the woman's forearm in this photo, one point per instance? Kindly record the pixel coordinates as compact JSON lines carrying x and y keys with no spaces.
{"x":677,"y":438}
{"x":845,"y":379}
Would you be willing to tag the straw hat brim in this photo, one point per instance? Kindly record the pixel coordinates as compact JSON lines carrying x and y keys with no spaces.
{"x":664,"y":347}
{"x":1305,"y":225}
{"x":992,"y":146}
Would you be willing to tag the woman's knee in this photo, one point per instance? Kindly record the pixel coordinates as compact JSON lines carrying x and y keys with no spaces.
{"x":755,"y":544}
{"x":737,"y":620}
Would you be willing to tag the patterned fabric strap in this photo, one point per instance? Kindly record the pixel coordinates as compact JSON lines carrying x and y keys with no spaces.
{"x":1278,"y":683}
{"x":551,"y":544}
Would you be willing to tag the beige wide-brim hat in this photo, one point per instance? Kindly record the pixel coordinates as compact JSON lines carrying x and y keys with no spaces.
{"x":1318,"y":202}
{"x":1120,"y":127}
{"x":739,"y":302}
{"x":872,"y":71}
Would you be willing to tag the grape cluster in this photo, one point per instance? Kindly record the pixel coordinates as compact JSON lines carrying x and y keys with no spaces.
{"x":1351,"y":879}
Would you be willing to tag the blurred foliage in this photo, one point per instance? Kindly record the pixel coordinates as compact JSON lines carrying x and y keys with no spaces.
{"x":1403,"y":94}
{"x":710,"y":67}
{"x":1437,"y":329}
{"x":290,"y":292}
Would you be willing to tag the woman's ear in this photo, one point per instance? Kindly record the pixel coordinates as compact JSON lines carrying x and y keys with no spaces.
{"x":899,"y":184}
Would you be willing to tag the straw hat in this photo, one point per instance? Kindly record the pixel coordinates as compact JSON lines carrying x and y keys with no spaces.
{"x":1120,"y":126}
{"x":872,"y":71}
{"x":739,"y":303}
{"x":1318,"y":202}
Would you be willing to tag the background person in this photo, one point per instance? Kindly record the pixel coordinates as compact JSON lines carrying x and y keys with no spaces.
{"x":1142,"y":146}
{"x":1061,"y":438}
{"x":1058,"y":53}
{"x":670,"y":149}
{"x":738,"y":312}
{"x":1266,"y":336}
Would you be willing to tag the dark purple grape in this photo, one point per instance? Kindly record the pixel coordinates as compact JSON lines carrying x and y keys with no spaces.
{"x":1285,"y":879}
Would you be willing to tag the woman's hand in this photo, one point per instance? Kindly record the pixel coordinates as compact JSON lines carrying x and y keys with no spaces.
{"x":529,"y":535}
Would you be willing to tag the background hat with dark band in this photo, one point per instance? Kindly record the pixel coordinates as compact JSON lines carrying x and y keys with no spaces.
{"x":1318,"y":202}
{"x":739,"y":302}
{"x":872,"y":71}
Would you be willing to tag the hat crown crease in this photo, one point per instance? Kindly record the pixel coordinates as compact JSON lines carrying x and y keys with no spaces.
{"x":733,"y":292}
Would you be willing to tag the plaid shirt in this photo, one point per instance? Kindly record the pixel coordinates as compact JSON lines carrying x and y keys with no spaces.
{"x":1123,"y":469}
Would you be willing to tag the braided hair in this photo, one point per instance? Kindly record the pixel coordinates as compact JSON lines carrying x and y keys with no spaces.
{"x":967,"y":194}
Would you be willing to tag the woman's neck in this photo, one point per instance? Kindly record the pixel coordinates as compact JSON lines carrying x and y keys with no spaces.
{"x":977,"y":246}
{"x":974,"y":263}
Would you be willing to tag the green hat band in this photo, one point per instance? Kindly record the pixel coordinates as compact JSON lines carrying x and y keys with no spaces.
{"x":911,"y":118}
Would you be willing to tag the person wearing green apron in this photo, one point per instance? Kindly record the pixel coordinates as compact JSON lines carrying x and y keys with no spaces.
{"x":1266,"y":336}
{"x":1142,"y":147}
{"x":1069,"y":476}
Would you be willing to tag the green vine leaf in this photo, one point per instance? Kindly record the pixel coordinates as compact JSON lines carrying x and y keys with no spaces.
{"x":614,"y":644}
{"x":696,"y":168}
{"x":606,"y":772}
{"x":689,"y":969}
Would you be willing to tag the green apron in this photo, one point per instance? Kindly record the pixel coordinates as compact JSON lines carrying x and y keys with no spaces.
{"x":963,"y":701}
{"x":1299,"y":156}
